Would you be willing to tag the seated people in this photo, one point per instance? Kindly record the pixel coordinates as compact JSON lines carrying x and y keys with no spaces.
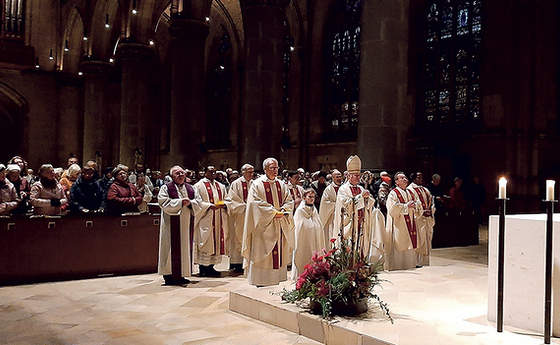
{"x":23,"y":188}
{"x":47,"y":195}
{"x":122,"y":196}
{"x":86,"y":193}
{"x":8,"y":196}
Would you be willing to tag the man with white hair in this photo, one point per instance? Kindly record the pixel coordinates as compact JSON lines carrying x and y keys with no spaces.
{"x":402,"y":228}
{"x":268,"y":236}
{"x":328,"y":202}
{"x":177,"y":200}
{"x":238,"y":193}
{"x":356,"y":216}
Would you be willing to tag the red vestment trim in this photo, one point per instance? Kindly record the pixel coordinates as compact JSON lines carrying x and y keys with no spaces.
{"x":221,"y":244}
{"x":410,"y":223}
{"x":356,"y":191}
{"x":277,"y":250}
{"x":295,"y":191}
{"x":245,"y":191}
{"x":420,"y":193}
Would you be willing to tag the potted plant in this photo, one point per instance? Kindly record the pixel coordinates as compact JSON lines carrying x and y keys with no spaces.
{"x":338,"y":282}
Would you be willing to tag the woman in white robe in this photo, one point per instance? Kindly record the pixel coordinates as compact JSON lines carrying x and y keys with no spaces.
{"x":309,"y":235}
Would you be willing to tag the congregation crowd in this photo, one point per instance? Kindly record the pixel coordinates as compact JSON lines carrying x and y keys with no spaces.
{"x":265,"y":222}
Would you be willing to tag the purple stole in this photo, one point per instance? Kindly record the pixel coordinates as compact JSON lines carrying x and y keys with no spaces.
{"x":410,"y":223}
{"x":175,"y":226}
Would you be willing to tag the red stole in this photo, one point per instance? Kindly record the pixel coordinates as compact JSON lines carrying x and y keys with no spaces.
{"x":295,"y":192}
{"x":245,"y":191}
{"x":356,"y":191}
{"x":277,"y":250}
{"x":422,"y":197}
{"x":211,"y":197}
{"x":410,"y":223}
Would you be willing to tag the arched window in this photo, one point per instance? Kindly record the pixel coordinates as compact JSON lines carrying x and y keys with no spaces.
{"x":451,"y":74}
{"x":343,"y":92}
{"x":13,"y":20}
{"x":219,"y":88}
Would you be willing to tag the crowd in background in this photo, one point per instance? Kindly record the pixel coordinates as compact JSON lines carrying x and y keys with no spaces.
{"x":117,"y":190}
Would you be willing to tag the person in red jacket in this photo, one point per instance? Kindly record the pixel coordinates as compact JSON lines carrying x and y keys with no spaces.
{"x":122,"y":196}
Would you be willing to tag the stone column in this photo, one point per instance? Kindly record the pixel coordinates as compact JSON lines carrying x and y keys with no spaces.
{"x":137,"y":115}
{"x":263,"y":23}
{"x":188,"y":110}
{"x":98,"y":122}
{"x":385,"y":107}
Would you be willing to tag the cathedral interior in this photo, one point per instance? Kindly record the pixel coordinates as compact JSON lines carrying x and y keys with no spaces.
{"x":455,"y":87}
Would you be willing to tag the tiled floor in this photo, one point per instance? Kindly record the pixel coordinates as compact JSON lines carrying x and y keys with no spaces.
{"x":138,"y":310}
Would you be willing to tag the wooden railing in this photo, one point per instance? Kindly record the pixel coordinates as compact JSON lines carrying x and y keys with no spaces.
{"x":455,"y":228}
{"x":38,"y":249}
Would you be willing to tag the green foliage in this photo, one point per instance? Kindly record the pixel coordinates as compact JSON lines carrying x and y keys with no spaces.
{"x":340,"y":274}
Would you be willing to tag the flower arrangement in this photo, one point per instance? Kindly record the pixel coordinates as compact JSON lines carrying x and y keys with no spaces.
{"x":339,"y":275}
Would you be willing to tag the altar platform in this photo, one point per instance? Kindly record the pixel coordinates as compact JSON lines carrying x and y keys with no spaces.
{"x":445,"y":303}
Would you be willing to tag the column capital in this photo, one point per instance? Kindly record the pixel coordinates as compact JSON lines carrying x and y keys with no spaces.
{"x":96,"y":67}
{"x":188,"y":27}
{"x":272,"y":3}
{"x":134,"y":51}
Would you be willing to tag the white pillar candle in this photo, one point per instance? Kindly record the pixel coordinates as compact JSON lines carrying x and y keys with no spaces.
{"x":502,"y":188}
{"x":550,"y":190}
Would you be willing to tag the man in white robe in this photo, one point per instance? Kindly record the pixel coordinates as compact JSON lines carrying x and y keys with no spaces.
{"x":176,"y":199}
{"x":268,"y":236}
{"x":296,"y":190}
{"x":211,"y":224}
{"x":238,"y":193}
{"x":402,"y":229}
{"x":309,"y":237}
{"x":356,"y":214}
{"x":425,"y":219}
{"x":328,"y":202}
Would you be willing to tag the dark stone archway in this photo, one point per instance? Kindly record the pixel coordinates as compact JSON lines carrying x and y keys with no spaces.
{"x":13,"y":110}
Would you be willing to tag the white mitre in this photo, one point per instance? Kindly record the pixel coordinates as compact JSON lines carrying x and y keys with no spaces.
{"x":354,"y":165}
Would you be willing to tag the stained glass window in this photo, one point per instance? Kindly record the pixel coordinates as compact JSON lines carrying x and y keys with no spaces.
{"x":345,"y":71}
{"x":13,"y":23}
{"x":451,"y":73}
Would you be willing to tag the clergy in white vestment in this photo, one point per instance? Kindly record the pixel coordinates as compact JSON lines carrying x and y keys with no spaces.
{"x":238,"y":193}
{"x":211,"y":224}
{"x":268,"y":236}
{"x":326,"y":210}
{"x":402,"y":229}
{"x":309,"y":237}
{"x":296,"y":190}
{"x":176,"y":198}
{"x":356,"y":216}
{"x":425,"y":219}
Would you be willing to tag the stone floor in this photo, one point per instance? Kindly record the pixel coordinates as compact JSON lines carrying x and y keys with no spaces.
{"x":139,"y":310}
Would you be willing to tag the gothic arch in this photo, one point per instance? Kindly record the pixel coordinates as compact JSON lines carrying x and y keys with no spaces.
{"x":72,"y":43}
{"x":13,"y":110}
{"x":107,"y":25}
